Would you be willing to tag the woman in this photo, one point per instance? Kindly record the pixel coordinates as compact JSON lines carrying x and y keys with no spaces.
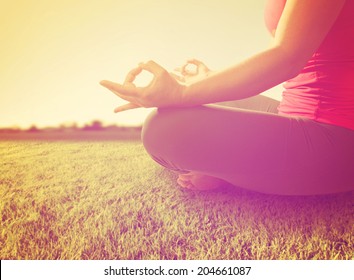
{"x":300,"y":146}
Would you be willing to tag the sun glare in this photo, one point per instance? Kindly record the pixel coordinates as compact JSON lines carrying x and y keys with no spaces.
{"x":54,"y":53}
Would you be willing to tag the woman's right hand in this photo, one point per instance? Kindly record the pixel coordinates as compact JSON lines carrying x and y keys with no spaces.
{"x":187,"y":76}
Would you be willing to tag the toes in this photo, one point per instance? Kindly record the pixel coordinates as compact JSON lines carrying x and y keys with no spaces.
{"x":185,"y":176}
{"x":198,"y":181}
{"x":184,"y":183}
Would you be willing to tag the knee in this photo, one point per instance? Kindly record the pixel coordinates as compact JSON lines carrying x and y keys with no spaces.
{"x":149,"y":131}
{"x":156,"y":129}
{"x":161,"y":134}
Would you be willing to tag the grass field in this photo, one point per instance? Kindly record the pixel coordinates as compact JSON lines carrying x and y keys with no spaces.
{"x":109,"y":200}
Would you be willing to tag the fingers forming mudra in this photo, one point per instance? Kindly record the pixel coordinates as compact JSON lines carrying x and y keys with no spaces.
{"x":199,"y":72}
{"x":163,"y":90}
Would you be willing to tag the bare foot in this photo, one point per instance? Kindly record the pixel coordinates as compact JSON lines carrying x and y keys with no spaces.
{"x":199,"y":181}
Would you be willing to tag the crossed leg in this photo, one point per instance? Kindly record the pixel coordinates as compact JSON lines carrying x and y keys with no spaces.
{"x":199,"y":181}
{"x":258,"y":150}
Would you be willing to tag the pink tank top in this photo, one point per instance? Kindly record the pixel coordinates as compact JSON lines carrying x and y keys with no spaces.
{"x":324,"y":89}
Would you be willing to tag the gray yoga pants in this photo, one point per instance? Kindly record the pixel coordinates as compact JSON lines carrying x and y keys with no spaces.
{"x":249,"y":145}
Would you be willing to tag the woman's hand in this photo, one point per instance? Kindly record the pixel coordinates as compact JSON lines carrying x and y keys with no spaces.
{"x":188,"y":77}
{"x":163,"y":91}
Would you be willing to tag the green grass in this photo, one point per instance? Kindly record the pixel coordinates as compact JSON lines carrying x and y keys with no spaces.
{"x":109,"y":200}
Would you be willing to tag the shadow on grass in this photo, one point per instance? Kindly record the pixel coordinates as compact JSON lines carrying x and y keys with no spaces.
{"x":261,"y":226}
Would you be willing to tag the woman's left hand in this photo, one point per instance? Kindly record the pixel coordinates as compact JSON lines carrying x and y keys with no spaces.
{"x":163,"y":91}
{"x":189,"y":77}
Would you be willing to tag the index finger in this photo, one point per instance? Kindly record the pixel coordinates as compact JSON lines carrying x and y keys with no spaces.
{"x":198,"y":63}
{"x":132,"y":74}
{"x":152,"y":67}
{"x":194,"y":61}
{"x":186,"y":71}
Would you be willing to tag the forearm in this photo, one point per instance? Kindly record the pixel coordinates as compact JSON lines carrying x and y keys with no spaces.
{"x":248,"y":78}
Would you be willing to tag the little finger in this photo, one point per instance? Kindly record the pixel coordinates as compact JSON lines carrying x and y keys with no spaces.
{"x":126,"y":107}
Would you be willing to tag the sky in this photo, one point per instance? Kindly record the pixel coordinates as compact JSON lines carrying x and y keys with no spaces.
{"x":54,"y":53}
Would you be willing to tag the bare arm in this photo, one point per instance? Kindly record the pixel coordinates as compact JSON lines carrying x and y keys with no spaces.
{"x":301,"y":29}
